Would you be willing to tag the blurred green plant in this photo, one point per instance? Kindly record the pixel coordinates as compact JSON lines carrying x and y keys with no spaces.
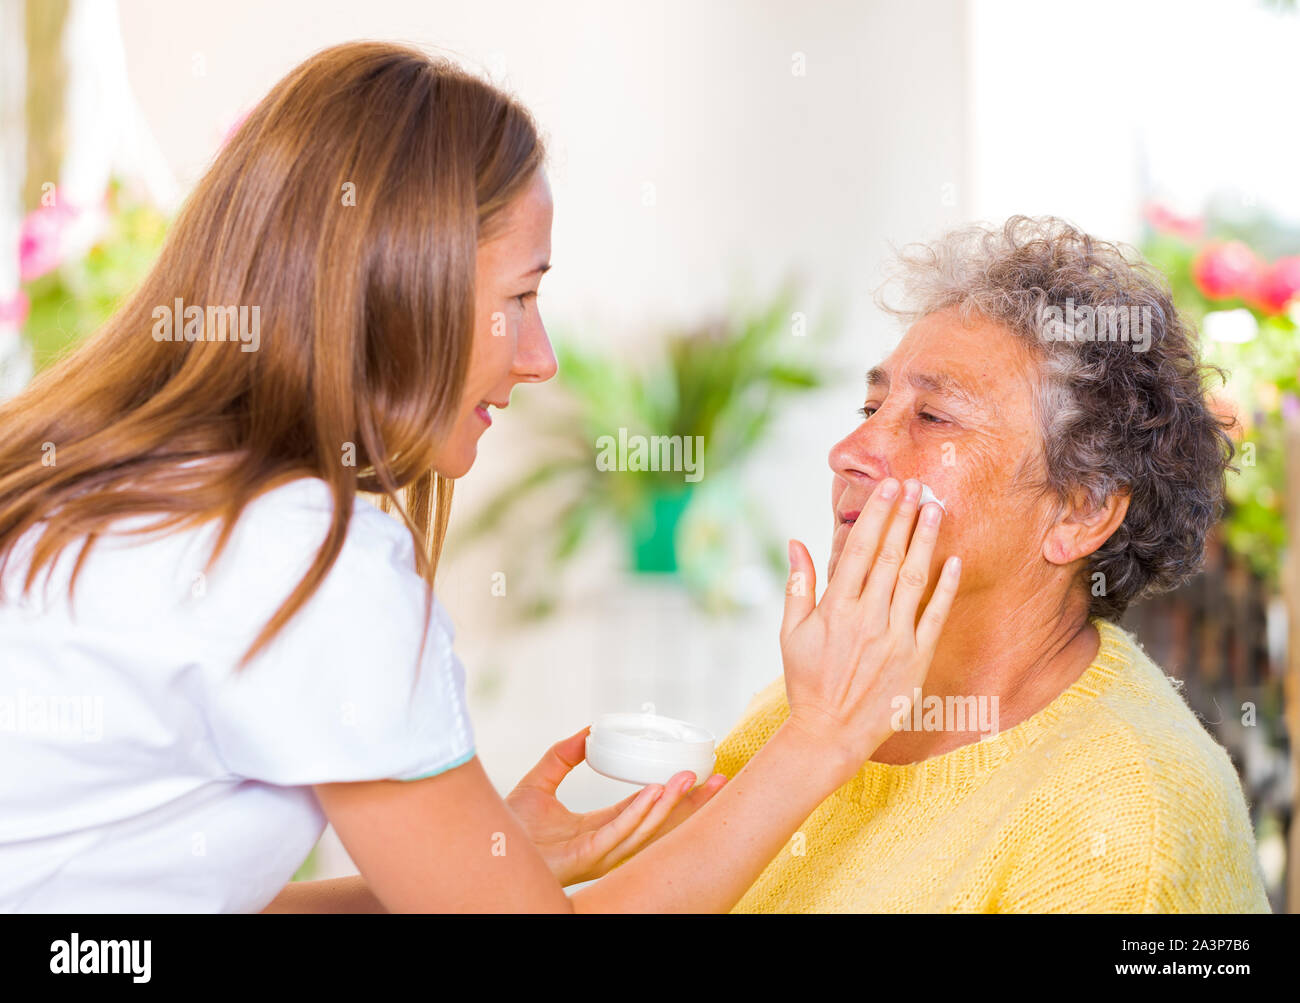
{"x":78,"y":295}
{"x":723,"y":382}
{"x":1233,"y":278}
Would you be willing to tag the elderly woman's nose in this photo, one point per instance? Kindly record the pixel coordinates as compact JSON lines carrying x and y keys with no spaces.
{"x":855,"y":455}
{"x":877,"y":444}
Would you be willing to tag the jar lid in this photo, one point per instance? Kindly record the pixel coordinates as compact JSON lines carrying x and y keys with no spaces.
{"x":648,"y":749}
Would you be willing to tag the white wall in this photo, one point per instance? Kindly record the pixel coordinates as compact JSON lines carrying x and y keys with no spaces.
{"x":1086,"y":111}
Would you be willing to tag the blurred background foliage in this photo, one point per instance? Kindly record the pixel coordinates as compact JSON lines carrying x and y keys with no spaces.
{"x":723,"y":381}
{"x":71,"y":293}
{"x":1236,"y":275}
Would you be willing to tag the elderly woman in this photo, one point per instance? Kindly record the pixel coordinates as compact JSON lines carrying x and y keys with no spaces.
{"x":1052,"y":399}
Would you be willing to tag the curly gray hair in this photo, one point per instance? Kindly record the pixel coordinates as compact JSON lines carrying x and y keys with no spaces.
{"x":1115,"y":414}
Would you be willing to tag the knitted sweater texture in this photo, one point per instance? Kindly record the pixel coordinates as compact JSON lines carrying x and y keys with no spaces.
{"x":1113,"y":798}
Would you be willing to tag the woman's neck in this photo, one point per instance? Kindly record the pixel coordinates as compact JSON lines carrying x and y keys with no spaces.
{"x":1013,"y":660}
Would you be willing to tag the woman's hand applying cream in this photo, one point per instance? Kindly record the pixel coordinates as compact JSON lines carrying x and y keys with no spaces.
{"x":851,"y":657}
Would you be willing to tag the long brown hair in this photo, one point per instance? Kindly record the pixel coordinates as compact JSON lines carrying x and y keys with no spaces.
{"x":348,"y":207}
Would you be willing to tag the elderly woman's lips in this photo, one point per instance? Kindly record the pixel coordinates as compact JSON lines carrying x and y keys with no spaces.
{"x":927,"y":496}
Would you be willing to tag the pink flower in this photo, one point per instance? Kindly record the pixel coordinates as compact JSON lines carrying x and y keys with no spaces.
{"x":1226,"y":271}
{"x":14,"y":310}
{"x":1185,"y":227}
{"x":40,"y":244}
{"x":1277,"y":286}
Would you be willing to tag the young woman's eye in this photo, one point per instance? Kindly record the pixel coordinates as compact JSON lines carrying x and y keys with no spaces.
{"x":522,"y":299}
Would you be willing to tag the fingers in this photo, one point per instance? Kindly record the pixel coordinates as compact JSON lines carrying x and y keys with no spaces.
{"x":860,"y":547}
{"x":611,"y":836}
{"x":915,"y":572}
{"x":557,"y":762}
{"x":620,"y":837}
{"x":889,"y":561}
{"x":800,"y":589}
{"x":693,"y":802}
{"x":650,"y":822}
{"x":698,"y":797}
{"x":603,"y":816}
{"x":936,"y":610}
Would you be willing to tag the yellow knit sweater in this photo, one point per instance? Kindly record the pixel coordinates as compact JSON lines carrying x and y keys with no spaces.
{"x":1112,"y":798}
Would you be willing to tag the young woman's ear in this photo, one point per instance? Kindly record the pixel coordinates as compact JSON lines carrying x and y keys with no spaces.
{"x":1083,"y":527}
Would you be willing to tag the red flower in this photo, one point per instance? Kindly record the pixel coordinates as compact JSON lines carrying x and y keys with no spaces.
{"x":1277,"y":286}
{"x":1226,"y":271}
{"x":1186,"y":228}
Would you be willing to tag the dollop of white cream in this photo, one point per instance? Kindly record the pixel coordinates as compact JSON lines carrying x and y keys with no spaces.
{"x":928,"y":495}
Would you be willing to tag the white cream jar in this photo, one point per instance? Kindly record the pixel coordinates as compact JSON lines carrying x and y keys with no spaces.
{"x":648,"y":749}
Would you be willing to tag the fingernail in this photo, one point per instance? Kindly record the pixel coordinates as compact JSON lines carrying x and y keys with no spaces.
{"x":911,"y":489}
{"x":931,"y":515}
{"x":888,"y":489}
{"x":690,"y":782}
{"x":954,"y":565}
{"x":790,"y":549}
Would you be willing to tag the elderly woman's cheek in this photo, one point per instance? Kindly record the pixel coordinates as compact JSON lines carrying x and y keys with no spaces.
{"x":970,"y":468}
{"x":964,"y":475}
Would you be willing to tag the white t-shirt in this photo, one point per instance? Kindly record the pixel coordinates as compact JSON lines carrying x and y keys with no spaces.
{"x":141,"y":773}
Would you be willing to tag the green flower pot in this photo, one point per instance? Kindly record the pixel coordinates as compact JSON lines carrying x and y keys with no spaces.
{"x":653,"y":535}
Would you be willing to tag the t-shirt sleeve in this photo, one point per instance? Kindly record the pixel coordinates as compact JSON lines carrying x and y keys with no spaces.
{"x":339,"y":695}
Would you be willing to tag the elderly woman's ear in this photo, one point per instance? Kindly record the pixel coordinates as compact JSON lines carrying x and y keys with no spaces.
{"x":1082,"y":527}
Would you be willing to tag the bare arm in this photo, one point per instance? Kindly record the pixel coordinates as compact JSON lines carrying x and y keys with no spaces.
{"x":444,"y":844}
{"x":333,"y":895}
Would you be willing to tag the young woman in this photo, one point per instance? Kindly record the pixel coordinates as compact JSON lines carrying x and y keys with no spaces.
{"x":211,"y":645}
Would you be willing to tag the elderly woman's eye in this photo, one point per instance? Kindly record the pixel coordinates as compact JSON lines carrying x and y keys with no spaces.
{"x":865,"y":412}
{"x":933,"y":419}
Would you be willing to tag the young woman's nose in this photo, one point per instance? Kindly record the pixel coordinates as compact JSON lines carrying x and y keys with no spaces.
{"x":534,"y":357}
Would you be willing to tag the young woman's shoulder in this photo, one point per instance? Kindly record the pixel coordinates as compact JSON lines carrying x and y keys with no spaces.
{"x":301,"y":510}
{"x":371,"y":598}
{"x":354,"y":687}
